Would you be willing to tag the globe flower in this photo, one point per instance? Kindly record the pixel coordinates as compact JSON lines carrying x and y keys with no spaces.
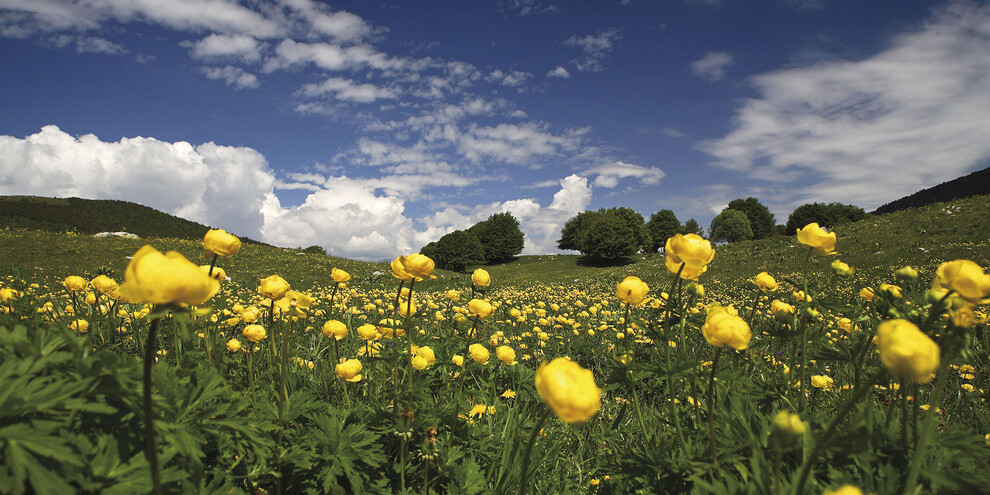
{"x":335,"y":329}
{"x":631,"y":290}
{"x":422,"y":357}
{"x":153,"y":277}
{"x":273,"y":287}
{"x":453,"y":295}
{"x":907,"y":273}
{"x":844,"y":490}
{"x":480,"y":308}
{"x":695,"y":289}
{"x":407,"y":307}
{"x":723,"y":328}
{"x":418,"y":265}
{"x":817,"y":239}
{"x":79,"y":325}
{"x":481,"y":278}
{"x":251,"y":314}
{"x":479,"y":353}
{"x":906,"y":351}
{"x":569,"y":390}
{"x":823,"y":382}
{"x":254,"y":333}
{"x":782,"y":311}
{"x":9,"y":295}
{"x":965,"y":278}
{"x":349,"y":370}
{"x":789,"y":423}
{"x":218,"y":272}
{"x":294,"y":303}
{"x":691,"y":250}
{"x":368,"y":332}
{"x":765,"y":282}
{"x":458,"y":360}
{"x":506,"y":354}
{"x":75,"y":283}
{"x":104,"y":284}
{"x":399,"y":271}
{"x":219,"y":242}
{"x":893,"y":290}
{"x":866,"y":293}
{"x":233,"y":345}
{"x":339,"y":276}
{"x":842,"y":269}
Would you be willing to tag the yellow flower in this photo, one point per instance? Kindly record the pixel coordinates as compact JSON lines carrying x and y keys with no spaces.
{"x":478,"y":410}
{"x":906,"y":351}
{"x":789,"y":423}
{"x":453,"y":295}
{"x":569,"y":390}
{"x":218,"y":272}
{"x":458,"y":360}
{"x":399,"y":271}
{"x":506,"y":354}
{"x":294,"y":303}
{"x":479,"y":353}
{"x":893,"y":290}
{"x":724,"y":328}
{"x":273,"y":287}
{"x":75,"y":283}
{"x":866,"y":293}
{"x":104,"y":284}
{"x":817,"y":239}
{"x":218,"y":241}
{"x":963,"y":317}
{"x":822,"y":382}
{"x":153,"y":277}
{"x":407,"y":307}
{"x":90,"y":298}
{"x":423,"y":357}
{"x":844,"y":490}
{"x":845,"y":324}
{"x":480,"y":307}
{"x":782,"y":311}
{"x":368,"y":332}
{"x":417,"y":265}
{"x":251,"y":314}
{"x":842,"y":269}
{"x":963,"y":277}
{"x":764,"y":281}
{"x":691,"y":250}
{"x":632,"y":290}
{"x":339,"y":276}
{"x":335,"y":329}
{"x":349,"y":370}
{"x":79,"y":325}
{"x":233,"y":345}
{"x":254,"y":333}
{"x":481,"y":278}
{"x":907,"y":273}
{"x":509,"y":394}
{"x":8,"y":295}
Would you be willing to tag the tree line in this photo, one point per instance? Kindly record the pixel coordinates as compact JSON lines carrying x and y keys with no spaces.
{"x":494,"y":240}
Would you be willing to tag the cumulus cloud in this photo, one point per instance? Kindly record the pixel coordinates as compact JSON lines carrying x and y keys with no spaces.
{"x":712,"y":66}
{"x":516,"y":144}
{"x":347,"y":90}
{"x":595,"y":47}
{"x":329,"y":56}
{"x":514,"y":79}
{"x":559,"y":71}
{"x":235,"y":77}
{"x":872,"y":130}
{"x":91,"y":44}
{"x":609,"y":174}
{"x":235,"y":46}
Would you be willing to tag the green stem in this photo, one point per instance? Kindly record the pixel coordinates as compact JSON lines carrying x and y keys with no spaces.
{"x":927,"y":428}
{"x":151,"y":450}
{"x":524,"y":474}
{"x":639,"y":413}
{"x":711,"y":400}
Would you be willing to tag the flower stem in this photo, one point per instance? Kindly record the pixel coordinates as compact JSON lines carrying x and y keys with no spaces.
{"x":927,"y":427}
{"x":151,"y":450}
{"x":524,"y":474}
{"x":711,"y":400}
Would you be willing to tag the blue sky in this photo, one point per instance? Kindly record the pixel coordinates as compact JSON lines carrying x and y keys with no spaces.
{"x":372,"y":128}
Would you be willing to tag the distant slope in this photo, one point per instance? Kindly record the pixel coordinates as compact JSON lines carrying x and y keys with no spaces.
{"x":973,"y":184}
{"x":91,"y":216}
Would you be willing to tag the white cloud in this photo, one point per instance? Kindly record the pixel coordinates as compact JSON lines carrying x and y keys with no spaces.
{"x":672,"y":132}
{"x":88,"y":44}
{"x":516,"y":144}
{"x":712,"y":66}
{"x":513,"y":79}
{"x":235,"y":77}
{"x":527,"y":8}
{"x":609,"y":174}
{"x":869,"y":131}
{"x":216,"y":185}
{"x":559,"y":71}
{"x":329,"y":56}
{"x":595,"y":47}
{"x":347,"y":90}
{"x":220,"y":45}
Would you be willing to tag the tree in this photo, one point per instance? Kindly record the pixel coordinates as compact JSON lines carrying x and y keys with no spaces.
{"x":575,"y":230}
{"x":691,"y":227}
{"x":730,"y":226}
{"x":500,"y":236}
{"x":760,"y":218}
{"x":455,"y":251}
{"x":605,"y":233}
{"x":636,"y":225}
{"x":826,"y":215}
{"x":662,"y":226}
{"x":314,"y":249}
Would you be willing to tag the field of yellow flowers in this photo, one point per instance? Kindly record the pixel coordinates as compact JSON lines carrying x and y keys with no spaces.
{"x":165,"y":376}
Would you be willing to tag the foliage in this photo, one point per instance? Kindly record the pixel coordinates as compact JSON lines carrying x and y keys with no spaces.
{"x":760,"y":218}
{"x":662,"y":226}
{"x":501,"y":237}
{"x":575,"y":230}
{"x":691,"y":227}
{"x":456,"y":251}
{"x":314,"y":249}
{"x":974,"y":184}
{"x":825,"y":215}
{"x":730,"y":226}
{"x":608,"y":234}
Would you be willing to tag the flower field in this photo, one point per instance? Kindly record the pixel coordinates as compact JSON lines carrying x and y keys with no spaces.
{"x":831,"y":362}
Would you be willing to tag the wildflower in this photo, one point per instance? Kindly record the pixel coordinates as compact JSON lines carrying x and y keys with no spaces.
{"x":273,"y":287}
{"x":339,"y":276}
{"x":782,"y":311}
{"x":506,"y":354}
{"x":233,"y":345}
{"x":104,"y":284}
{"x":9,"y":295}
{"x":368,"y":332}
{"x":963,"y":277}
{"x":845,"y":324}
{"x":254,"y":333}
{"x":789,"y":423}
{"x":893,"y":290}
{"x":349,"y":370}
{"x":907,"y":273}
{"x":906,"y":351}
{"x":79,"y":325}
{"x":453,"y":295}
{"x":480,"y":307}
{"x":74,"y":283}
{"x":569,"y":390}
{"x":764,"y":281}
{"x":251,"y":314}
{"x":219,"y":242}
{"x":817,"y":239}
{"x":866,"y":293}
{"x":423,"y":357}
{"x":631,"y":290}
{"x":478,"y":410}
{"x":509,"y":394}
{"x":418,"y":265}
{"x":823,"y":382}
{"x":158,"y":278}
{"x":335,"y":329}
{"x":481,"y":278}
{"x":695,"y":289}
{"x":723,"y":328}
{"x":458,"y":360}
{"x":694,"y":252}
{"x":842,"y":269}
{"x":479,"y":353}
{"x":844,"y":490}
{"x":218,"y":272}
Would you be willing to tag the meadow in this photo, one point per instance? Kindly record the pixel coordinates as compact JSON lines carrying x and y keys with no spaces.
{"x":777,"y":371}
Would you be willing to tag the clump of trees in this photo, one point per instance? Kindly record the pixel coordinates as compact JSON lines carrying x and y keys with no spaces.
{"x":662,"y":226}
{"x":606,"y":233}
{"x":826,"y":215}
{"x":730,"y":226}
{"x":494,"y":240}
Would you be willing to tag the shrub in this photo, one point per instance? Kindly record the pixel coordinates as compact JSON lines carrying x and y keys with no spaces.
{"x":455,"y":251}
{"x":662,"y":226}
{"x":826,"y":215}
{"x":730,"y":226}
{"x":500,"y":237}
{"x":760,"y":218}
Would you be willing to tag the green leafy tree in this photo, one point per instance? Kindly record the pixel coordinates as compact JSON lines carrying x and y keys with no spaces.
{"x":456,"y":251}
{"x":826,"y":215}
{"x":730,"y":226}
{"x":662,"y":226}
{"x":636,"y":225}
{"x":575,"y":230}
{"x":610,"y":237}
{"x":691,"y":227}
{"x":760,"y":218}
{"x":500,"y":236}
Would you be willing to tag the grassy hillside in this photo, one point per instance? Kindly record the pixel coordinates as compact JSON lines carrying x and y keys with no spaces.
{"x":920,"y":237}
